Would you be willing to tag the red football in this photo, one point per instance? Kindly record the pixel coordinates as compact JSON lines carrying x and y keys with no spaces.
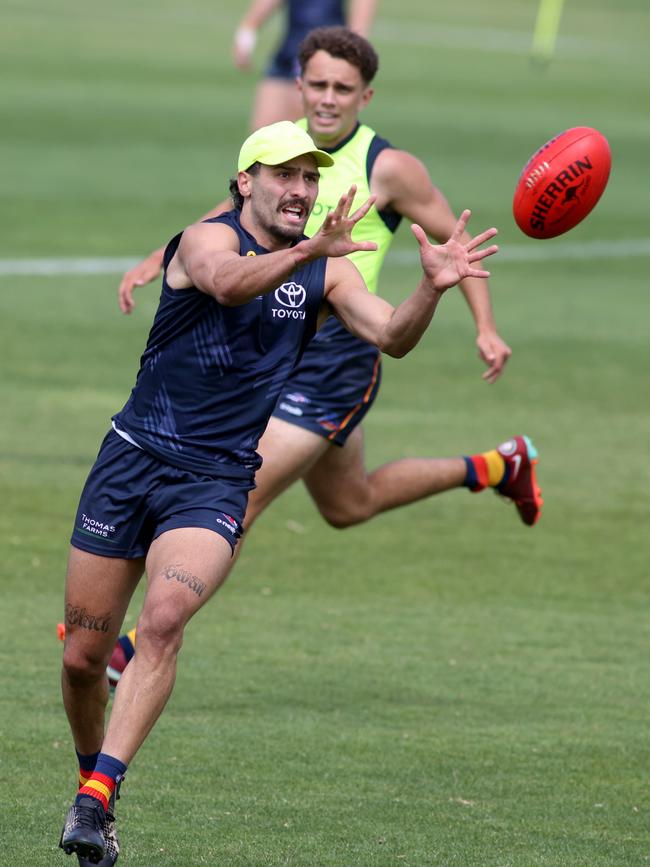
{"x":562,"y":182}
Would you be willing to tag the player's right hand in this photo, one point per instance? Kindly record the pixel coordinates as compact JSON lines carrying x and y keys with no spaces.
{"x":334,"y":238}
{"x":141,"y":274}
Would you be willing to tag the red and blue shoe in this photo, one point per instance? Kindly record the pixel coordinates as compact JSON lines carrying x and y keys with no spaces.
{"x":520,"y":481}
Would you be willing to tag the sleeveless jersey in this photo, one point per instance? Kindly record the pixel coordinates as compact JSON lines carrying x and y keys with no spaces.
{"x":354,"y":158}
{"x":210,"y":374}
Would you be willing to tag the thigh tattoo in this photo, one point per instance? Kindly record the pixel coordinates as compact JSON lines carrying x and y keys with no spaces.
{"x":81,"y":617}
{"x":174,"y":572}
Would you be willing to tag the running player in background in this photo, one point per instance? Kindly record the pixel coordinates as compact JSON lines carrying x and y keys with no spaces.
{"x":276,"y":96}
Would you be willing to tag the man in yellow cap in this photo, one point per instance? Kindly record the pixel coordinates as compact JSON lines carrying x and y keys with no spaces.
{"x":243,"y":294}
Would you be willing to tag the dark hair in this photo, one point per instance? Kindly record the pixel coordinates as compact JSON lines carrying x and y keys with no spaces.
{"x":235,"y":195}
{"x":344,"y":44}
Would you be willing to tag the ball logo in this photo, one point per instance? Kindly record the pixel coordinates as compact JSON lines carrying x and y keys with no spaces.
{"x":290,"y":295}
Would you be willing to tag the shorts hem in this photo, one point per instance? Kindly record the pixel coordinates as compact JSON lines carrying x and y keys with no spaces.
{"x":114,"y":553}
{"x":307,"y":424}
{"x":185,"y":525}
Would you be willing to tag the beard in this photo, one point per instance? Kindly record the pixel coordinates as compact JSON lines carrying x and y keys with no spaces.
{"x":269,"y":217}
{"x":285,"y":233}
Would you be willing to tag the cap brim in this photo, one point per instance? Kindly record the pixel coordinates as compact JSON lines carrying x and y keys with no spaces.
{"x":323,"y":159}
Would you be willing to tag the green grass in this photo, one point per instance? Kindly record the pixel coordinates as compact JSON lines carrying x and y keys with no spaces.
{"x":441,"y":686}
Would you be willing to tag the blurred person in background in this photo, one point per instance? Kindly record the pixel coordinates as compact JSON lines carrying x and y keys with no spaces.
{"x":276,"y":96}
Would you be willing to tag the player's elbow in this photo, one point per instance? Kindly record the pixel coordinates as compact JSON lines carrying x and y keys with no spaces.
{"x":227,"y":294}
{"x":398,"y":351}
{"x":227,"y":299}
{"x":394,"y":348}
{"x":222,"y":284}
{"x":394,"y":341}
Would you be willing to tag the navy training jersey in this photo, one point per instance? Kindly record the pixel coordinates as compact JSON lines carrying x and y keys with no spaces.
{"x":210,"y":375}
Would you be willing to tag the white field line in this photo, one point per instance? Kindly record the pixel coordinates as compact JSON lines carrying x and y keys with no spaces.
{"x":560,"y":251}
{"x":554,"y":251}
{"x":489,"y":39}
{"x":66,"y":267}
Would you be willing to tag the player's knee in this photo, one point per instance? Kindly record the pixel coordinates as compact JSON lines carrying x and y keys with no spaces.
{"x":343,"y":515}
{"x":83,"y":666}
{"x":160,"y":632}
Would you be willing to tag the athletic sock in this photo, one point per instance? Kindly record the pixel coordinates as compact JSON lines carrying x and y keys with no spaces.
{"x":487,"y":470}
{"x":86,"y":766}
{"x":103,"y":780}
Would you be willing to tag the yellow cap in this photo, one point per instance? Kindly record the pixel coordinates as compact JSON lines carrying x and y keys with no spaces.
{"x":278,"y":143}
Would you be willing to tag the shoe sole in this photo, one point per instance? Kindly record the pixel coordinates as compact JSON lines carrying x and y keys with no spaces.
{"x":83,"y":850}
{"x":529,"y":511}
{"x":538,"y":502}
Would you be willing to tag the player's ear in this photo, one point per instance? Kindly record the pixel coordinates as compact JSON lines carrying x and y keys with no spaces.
{"x":244,"y":184}
{"x":366,"y":96}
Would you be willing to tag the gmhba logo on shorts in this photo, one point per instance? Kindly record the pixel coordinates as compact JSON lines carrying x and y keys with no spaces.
{"x":291,"y":296}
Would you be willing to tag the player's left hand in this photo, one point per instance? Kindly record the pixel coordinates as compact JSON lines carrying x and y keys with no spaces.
{"x":243,"y":46}
{"x":494,"y":352}
{"x":141,"y":274}
{"x":445,"y":265}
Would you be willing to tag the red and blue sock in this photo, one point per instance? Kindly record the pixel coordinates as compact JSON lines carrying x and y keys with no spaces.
{"x":104,"y":779}
{"x":86,"y":766}
{"x":487,"y":470}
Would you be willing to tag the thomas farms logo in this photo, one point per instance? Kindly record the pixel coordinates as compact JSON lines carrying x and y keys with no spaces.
{"x":291,"y":296}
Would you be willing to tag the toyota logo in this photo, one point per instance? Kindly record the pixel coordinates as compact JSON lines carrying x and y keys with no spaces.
{"x":290,"y":295}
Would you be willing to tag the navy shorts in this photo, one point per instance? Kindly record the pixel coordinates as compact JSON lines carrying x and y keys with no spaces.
{"x":131,"y":497}
{"x":332,"y":388}
{"x":284,"y":64}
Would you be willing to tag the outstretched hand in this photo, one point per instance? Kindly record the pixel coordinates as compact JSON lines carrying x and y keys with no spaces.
{"x":445,"y":265}
{"x":334,"y":236}
{"x":141,"y":274}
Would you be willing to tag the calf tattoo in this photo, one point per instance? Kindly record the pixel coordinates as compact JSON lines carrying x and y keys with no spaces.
{"x":176,"y":573}
{"x":76,"y":616}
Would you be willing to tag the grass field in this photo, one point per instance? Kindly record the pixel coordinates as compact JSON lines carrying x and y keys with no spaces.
{"x":441,"y":686}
